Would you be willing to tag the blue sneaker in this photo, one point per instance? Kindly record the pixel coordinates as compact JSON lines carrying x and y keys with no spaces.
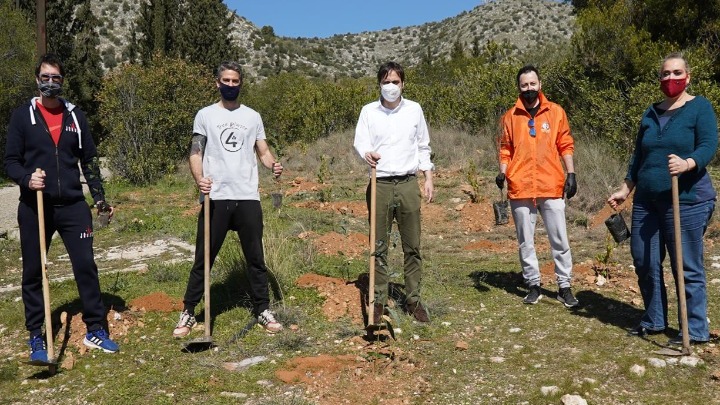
{"x":99,"y":339}
{"x":38,"y":350}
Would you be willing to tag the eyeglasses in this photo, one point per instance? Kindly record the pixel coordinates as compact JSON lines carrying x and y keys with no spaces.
{"x":53,"y":78}
{"x":531,"y":124}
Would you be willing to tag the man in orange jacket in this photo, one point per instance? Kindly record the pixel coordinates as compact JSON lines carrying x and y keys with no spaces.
{"x":535,"y":138}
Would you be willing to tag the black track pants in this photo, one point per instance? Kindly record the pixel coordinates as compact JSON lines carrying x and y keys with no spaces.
{"x":74,"y":224}
{"x":244,"y":217}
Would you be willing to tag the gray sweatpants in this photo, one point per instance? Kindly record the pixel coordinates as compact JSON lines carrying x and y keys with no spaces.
{"x":552,"y":210}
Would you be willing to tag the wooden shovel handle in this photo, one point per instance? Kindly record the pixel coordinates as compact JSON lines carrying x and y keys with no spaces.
{"x":206,"y":243}
{"x":45,"y":279}
{"x":679,"y":266}
{"x":371,"y":282}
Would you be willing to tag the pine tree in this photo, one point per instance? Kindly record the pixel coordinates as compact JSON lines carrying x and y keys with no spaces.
{"x":205,"y":33}
{"x":157,"y":25}
{"x":84,"y":64}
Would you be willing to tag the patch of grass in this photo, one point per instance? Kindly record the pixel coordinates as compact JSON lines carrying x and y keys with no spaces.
{"x":473,"y":297}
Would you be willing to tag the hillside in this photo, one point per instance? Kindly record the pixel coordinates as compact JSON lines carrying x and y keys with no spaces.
{"x":521,"y":24}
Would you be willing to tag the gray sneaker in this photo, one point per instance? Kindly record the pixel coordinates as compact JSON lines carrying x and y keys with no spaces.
{"x":567,"y":298}
{"x":533,"y":295}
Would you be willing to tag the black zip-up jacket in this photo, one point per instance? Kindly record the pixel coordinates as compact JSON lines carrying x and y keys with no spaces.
{"x":30,"y":146}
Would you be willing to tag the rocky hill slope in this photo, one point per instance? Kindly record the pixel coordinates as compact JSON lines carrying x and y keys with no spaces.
{"x":520,"y":24}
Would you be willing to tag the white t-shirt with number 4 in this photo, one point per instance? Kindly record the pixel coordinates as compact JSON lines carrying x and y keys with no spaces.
{"x":230,"y":159}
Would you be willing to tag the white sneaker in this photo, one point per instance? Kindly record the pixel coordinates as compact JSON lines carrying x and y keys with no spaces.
{"x":267,"y":321}
{"x":184,"y":325}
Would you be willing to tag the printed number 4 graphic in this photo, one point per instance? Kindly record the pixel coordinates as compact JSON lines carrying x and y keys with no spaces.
{"x":232,"y":140}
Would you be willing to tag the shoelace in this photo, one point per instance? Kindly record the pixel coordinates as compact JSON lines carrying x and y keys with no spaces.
{"x":37,"y":343}
{"x":100,"y":333}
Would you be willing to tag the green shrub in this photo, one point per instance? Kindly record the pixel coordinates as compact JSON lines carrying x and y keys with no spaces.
{"x":148,"y":113}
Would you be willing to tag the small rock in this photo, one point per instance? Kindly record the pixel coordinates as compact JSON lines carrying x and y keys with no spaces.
{"x":600,"y":280}
{"x":455,"y":200}
{"x":715,"y":265}
{"x":672,"y":361}
{"x":68,"y":362}
{"x":690,"y":361}
{"x":549,"y":390}
{"x":294,"y":328}
{"x":264,"y":383}
{"x":568,"y":399}
{"x":716,"y":375}
{"x":636,"y":301}
{"x":715,"y":280}
{"x":514,"y":330}
{"x":243,"y":364}
{"x":459,"y":207}
{"x":638,"y":370}
{"x":445,"y":323}
{"x":460,"y":345}
{"x":233,"y":394}
{"x":590,"y":380}
{"x":497,"y":359}
{"x":657,"y":363}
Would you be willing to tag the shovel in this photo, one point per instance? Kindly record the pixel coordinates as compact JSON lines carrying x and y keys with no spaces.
{"x":500,"y":208}
{"x":206,"y":341}
{"x":52,"y":361}
{"x":277,"y":196}
{"x":685,"y":351}
{"x":371,"y":282}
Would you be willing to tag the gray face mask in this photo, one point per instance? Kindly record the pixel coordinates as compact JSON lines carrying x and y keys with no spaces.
{"x":50,"y":89}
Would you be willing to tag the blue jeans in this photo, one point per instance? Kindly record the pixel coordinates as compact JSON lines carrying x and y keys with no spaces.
{"x":652,"y":236}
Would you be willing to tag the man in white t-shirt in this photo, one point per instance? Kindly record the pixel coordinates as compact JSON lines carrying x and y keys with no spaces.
{"x":228,"y":137}
{"x":392,"y":136}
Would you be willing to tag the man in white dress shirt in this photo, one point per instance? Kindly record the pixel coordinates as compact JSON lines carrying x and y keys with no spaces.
{"x":392,"y":136}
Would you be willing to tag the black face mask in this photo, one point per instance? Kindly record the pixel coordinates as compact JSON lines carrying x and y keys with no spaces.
{"x":229,"y":93}
{"x":530,"y":96}
{"x":50,"y":89}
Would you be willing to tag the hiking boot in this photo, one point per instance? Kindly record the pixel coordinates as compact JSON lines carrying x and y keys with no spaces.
{"x":184,"y":325}
{"x":418,"y":311}
{"x":267,"y":321}
{"x":566,"y":297}
{"x":99,"y":339}
{"x":533,"y":295}
{"x":38,"y":350}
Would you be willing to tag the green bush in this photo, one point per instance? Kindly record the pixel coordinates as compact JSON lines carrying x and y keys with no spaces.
{"x":17,"y":45}
{"x":148,"y":112}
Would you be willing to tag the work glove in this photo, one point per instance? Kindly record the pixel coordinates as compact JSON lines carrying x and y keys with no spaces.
{"x":570,"y":186}
{"x":500,"y":180}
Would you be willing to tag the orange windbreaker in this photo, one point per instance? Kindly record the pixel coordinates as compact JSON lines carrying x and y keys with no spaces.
{"x":534,"y":167}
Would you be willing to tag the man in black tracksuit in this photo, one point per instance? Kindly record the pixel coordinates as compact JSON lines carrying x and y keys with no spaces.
{"x":51,"y":134}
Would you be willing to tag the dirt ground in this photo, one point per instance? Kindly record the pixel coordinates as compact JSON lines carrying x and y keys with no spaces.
{"x":345,"y":378}
{"x":120,"y":322}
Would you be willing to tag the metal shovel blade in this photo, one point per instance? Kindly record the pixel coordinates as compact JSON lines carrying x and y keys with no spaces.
{"x":199,"y":344}
{"x":52,"y":365}
{"x":669,"y":351}
{"x":40,"y":363}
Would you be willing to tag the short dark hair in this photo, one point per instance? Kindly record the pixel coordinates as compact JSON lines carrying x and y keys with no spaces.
{"x":526,"y":69}
{"x":229,"y":65}
{"x":388,"y":67}
{"x":52,"y":60}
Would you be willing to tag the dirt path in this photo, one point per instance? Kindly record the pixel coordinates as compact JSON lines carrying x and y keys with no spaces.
{"x":8,"y":216}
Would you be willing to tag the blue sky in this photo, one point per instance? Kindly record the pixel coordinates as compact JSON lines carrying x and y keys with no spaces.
{"x":325,"y":18}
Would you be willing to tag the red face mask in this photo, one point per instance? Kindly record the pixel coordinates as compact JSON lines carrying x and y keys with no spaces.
{"x":673,"y":87}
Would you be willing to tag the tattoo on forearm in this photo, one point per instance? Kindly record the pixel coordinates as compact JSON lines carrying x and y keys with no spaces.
{"x":197,"y":145}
